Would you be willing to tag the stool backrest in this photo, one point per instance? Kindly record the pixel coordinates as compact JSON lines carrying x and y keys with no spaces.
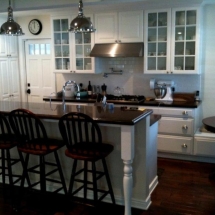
{"x":5,"y":130}
{"x":77,"y":128}
{"x":28,"y":128}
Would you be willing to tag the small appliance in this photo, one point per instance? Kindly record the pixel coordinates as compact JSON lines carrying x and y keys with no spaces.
{"x":163,"y":90}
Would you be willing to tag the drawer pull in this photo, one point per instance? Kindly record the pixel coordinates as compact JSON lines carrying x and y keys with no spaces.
{"x":184,"y":145}
{"x":185,"y":112}
{"x":185,"y":127}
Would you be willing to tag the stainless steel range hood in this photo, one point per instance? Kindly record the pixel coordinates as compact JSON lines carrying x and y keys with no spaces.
{"x":117,"y":50}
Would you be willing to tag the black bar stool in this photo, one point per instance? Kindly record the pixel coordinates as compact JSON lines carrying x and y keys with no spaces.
{"x":33,"y":140}
{"x":83,"y":139}
{"x":7,"y":142}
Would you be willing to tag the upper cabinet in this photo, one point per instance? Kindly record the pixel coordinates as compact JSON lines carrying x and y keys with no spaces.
{"x":71,"y":51}
{"x":172,"y":41}
{"x":122,"y":27}
{"x":8,"y":46}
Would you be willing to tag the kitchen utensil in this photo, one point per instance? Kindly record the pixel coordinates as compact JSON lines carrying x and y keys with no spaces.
{"x":160,"y":92}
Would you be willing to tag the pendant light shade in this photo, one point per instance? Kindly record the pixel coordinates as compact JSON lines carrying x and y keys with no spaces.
{"x":81,"y":24}
{"x":10,"y":27}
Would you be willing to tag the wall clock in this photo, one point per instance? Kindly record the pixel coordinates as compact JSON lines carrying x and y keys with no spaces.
{"x":35,"y":26}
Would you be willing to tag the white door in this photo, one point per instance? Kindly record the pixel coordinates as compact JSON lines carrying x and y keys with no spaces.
{"x":40,"y":77}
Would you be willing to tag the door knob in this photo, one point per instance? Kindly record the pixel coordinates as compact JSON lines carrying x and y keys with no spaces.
{"x":28,"y":91}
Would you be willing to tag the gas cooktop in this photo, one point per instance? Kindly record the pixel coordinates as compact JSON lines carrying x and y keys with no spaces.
{"x":125,"y":98}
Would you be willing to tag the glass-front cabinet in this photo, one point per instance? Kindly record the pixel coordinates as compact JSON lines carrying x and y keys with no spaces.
{"x":171,"y":41}
{"x":71,"y":50}
{"x":157,"y":41}
{"x":83,"y":61}
{"x":185,"y":40}
{"x":61,"y":44}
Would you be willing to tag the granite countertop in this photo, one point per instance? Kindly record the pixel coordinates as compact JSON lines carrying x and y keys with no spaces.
{"x":101,"y":114}
{"x":181,"y":104}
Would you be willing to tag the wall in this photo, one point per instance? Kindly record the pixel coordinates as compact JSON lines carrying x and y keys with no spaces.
{"x":45,"y":20}
{"x":208,"y":75}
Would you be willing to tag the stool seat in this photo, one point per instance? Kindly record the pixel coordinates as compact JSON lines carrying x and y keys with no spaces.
{"x":89,"y":151}
{"x":40,"y":147}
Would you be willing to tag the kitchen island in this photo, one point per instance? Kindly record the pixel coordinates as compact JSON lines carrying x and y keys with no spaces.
{"x":134,"y":136}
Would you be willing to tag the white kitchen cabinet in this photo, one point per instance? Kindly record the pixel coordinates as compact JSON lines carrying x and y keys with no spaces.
{"x":8,"y":46}
{"x":204,"y":143}
{"x":172,"y":41}
{"x":178,"y":144}
{"x":9,"y":82}
{"x":122,"y":27}
{"x":176,"y":130}
{"x":71,"y":51}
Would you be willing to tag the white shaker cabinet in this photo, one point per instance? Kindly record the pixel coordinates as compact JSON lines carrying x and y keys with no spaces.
{"x":8,"y":46}
{"x":122,"y":27}
{"x":71,"y":51}
{"x":172,"y":41}
{"x":9,"y":81}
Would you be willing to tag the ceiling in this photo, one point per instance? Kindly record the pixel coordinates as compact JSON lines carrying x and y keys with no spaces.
{"x":25,"y":8}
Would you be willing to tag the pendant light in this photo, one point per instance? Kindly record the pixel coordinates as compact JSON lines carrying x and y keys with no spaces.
{"x":81,"y":24}
{"x":10,"y":27}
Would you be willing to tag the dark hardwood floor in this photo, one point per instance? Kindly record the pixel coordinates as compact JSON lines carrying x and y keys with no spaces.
{"x":184,"y":189}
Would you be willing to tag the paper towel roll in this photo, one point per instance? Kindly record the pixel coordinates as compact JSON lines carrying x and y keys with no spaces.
{"x":152,"y":83}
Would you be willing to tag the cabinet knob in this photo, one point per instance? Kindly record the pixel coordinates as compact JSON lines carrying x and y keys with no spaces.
{"x":167,"y":72}
{"x":116,"y":41}
{"x":184,"y":145}
{"x":185,"y":127}
{"x":185,"y":112}
{"x":119,"y":41}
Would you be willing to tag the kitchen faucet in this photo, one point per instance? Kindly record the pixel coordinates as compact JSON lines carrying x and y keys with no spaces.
{"x":63,"y":92}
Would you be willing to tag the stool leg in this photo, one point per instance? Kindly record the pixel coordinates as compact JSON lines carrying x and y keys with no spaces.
{"x":22,"y":162}
{"x":42,"y":175}
{"x":60,"y":172}
{"x":72,"y":176}
{"x":9,"y":167}
{"x":94,"y":182}
{"x":108,"y":181}
{"x":3,"y":165}
{"x":85,"y":179}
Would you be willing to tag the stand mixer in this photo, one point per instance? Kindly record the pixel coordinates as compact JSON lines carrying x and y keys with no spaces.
{"x":162,"y":89}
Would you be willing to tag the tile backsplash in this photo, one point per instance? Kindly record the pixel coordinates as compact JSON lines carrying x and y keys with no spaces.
{"x":133,"y":80}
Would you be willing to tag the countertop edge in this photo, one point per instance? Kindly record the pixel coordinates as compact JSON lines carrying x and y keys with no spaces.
{"x":193,"y":104}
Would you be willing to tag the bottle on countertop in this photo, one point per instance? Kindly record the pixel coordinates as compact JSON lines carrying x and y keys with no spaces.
{"x":197,"y":96}
{"x":89,"y":89}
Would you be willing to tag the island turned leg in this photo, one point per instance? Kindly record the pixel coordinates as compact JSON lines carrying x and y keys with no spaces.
{"x":127,"y":155}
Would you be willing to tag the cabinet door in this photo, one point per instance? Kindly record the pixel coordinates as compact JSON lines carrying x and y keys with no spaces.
{"x":61,"y":43}
{"x":106,"y":25}
{"x":184,"y":42}
{"x":5,"y":79}
{"x":130,"y":26}
{"x":9,"y":80}
{"x":8,"y":46}
{"x":157,"y":41}
{"x":81,"y":46}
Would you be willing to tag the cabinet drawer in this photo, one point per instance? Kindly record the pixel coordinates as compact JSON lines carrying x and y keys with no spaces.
{"x":175,"y":144}
{"x":176,"y":126}
{"x":204,"y":146}
{"x":174,"y":112}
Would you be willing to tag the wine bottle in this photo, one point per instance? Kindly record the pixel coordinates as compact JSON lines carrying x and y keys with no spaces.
{"x":89,"y":89}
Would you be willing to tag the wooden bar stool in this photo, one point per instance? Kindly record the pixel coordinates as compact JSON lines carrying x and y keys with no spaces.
{"x":8,"y":142}
{"x":33,"y":140}
{"x":83,"y":139}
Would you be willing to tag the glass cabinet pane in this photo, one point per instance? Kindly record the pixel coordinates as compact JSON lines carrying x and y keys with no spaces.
{"x":157,"y":41}
{"x":185,"y":40}
{"x":61,"y":44}
{"x":82,"y":51}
